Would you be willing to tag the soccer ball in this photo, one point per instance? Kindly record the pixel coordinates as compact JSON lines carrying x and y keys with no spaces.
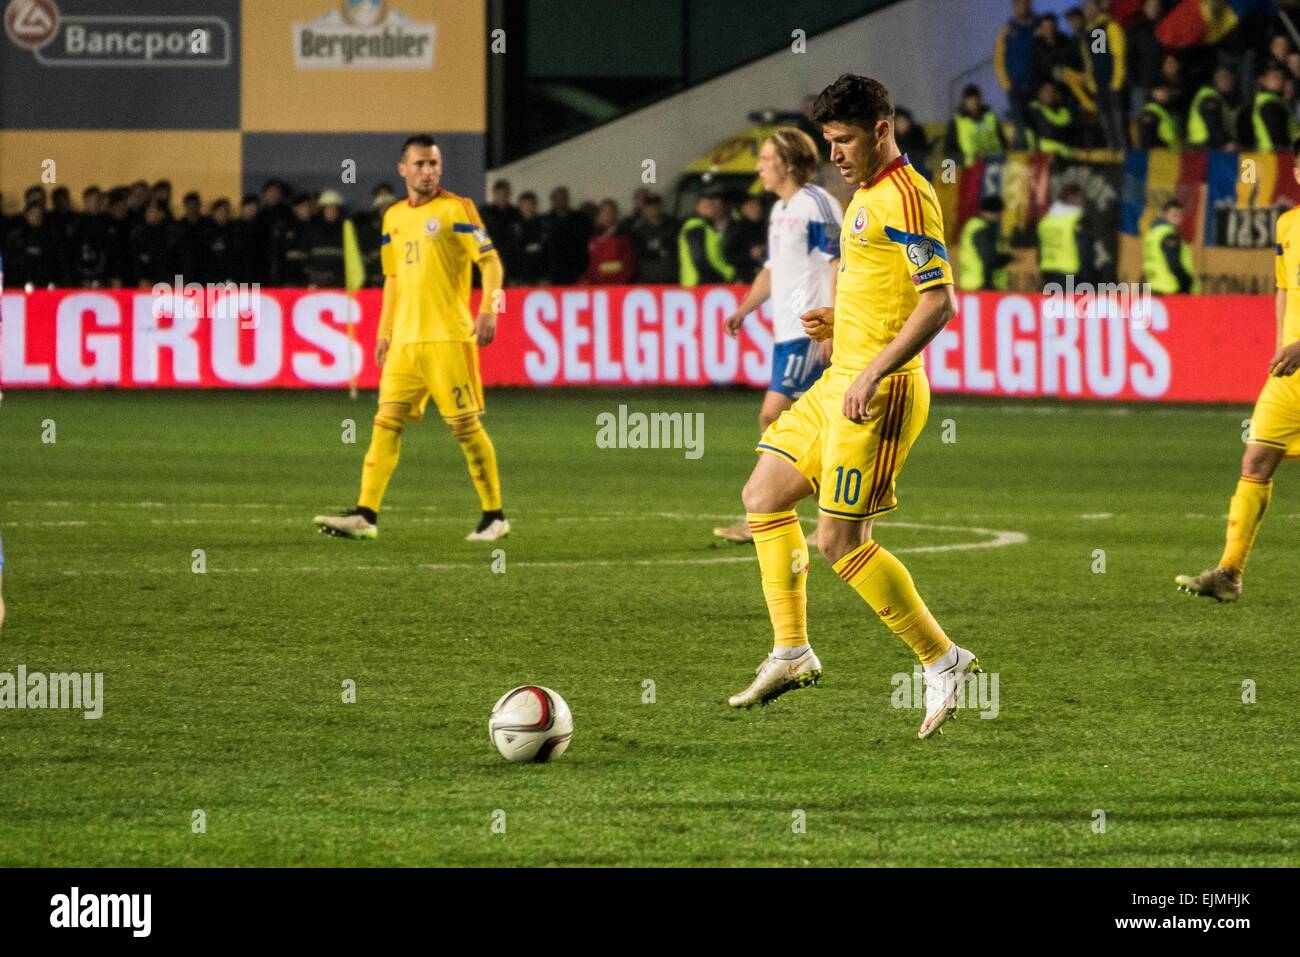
{"x":531,"y":723}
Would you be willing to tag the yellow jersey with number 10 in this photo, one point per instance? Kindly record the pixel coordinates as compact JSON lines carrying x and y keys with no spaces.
{"x":430,"y":250}
{"x":891,"y":248}
{"x":1287,"y":267}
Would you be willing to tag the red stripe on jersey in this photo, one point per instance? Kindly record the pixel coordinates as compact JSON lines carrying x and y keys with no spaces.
{"x":897,"y":163}
{"x":882,"y":445}
{"x":913,"y":195}
{"x":907,"y":206}
{"x":896,"y":433}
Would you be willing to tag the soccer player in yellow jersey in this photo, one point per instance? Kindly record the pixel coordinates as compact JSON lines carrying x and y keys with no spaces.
{"x":1274,"y":432}
{"x":847,"y":438}
{"x":428,"y":343}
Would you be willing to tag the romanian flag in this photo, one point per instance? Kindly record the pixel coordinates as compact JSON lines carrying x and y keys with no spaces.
{"x":1023,"y":180}
{"x":1248,"y":180}
{"x":1152,"y":178}
{"x":1196,"y":22}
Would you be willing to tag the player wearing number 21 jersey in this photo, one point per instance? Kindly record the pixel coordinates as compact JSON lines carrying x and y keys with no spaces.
{"x":427,"y":345}
{"x":847,"y":438}
{"x":1274,"y":432}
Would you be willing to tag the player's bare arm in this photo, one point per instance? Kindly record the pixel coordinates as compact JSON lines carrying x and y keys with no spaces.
{"x":936,"y":307}
{"x":386,"y":311}
{"x":485,"y":324}
{"x":1286,"y":360}
{"x":757,"y":295}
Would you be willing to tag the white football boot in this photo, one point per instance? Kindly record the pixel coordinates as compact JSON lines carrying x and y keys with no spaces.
{"x":1217,"y":583}
{"x":943,"y":691}
{"x":489,"y":531}
{"x":349,"y":525}
{"x":776,"y":676}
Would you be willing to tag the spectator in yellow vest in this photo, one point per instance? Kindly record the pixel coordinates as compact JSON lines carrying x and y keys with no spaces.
{"x":1212,"y":119}
{"x":1064,"y":248}
{"x":1157,"y":127}
{"x":974,"y":131}
{"x":1273,"y":121}
{"x":982,"y":258}
{"x":1166,"y":259}
{"x":1051,"y":124}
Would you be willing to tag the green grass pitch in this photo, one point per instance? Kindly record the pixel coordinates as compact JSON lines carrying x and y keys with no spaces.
{"x":223,"y":690}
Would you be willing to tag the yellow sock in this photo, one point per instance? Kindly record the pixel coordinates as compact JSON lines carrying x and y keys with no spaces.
{"x":783,"y":564}
{"x":381,"y":459}
{"x":481,"y":457}
{"x":884,"y":584}
{"x":1245,"y":514}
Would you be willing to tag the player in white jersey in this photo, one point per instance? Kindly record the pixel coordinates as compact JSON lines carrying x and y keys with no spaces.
{"x":803,"y":249}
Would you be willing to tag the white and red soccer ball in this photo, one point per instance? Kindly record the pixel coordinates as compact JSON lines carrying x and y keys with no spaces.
{"x":531,"y":723}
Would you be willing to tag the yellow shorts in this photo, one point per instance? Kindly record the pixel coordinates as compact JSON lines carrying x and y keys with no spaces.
{"x":1276,"y":419}
{"x":853,"y":468}
{"x":445,"y":371}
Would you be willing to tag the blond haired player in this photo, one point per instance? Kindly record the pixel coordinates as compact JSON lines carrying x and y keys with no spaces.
{"x":803,"y":248}
{"x":847,"y":438}
{"x":428,"y":343}
{"x":1274,"y":432}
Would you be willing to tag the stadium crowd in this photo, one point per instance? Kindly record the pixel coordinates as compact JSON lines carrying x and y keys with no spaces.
{"x":1208,"y":74}
{"x":1174,"y":74}
{"x":131,"y":237}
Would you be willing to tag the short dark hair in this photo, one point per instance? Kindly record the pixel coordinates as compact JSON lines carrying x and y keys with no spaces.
{"x":250,"y":198}
{"x":219,"y":203}
{"x":1171,"y":204}
{"x":417,"y":139}
{"x":500,"y":184}
{"x":192,"y":196}
{"x":527,"y":194}
{"x":1072,"y":191}
{"x":856,"y":100}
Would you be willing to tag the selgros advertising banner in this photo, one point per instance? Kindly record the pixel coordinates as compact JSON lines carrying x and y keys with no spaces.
{"x":1179,"y":348}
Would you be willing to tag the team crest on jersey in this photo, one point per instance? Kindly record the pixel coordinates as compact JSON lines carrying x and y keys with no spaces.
{"x":432,"y":226}
{"x":920,"y":252}
{"x":860,"y":220}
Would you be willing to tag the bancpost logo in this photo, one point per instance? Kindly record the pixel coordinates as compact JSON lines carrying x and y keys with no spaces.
{"x":363,"y":35}
{"x":31,"y":24}
{"x":60,"y":40}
